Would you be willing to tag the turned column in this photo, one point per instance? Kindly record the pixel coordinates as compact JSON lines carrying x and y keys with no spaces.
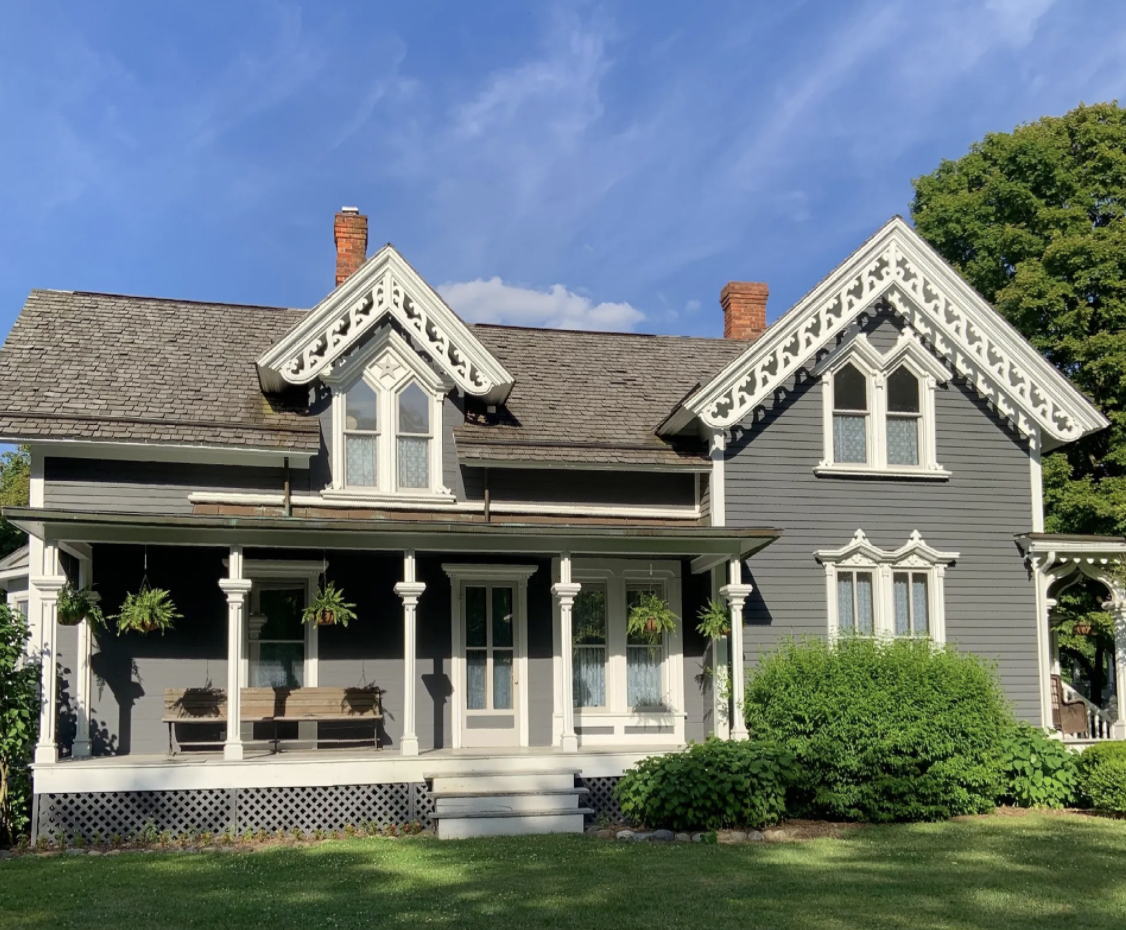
{"x":47,"y":587}
{"x":409,"y":591}
{"x":565,"y":591}
{"x":236,"y":588}
{"x":1117,"y":606}
{"x":735,"y":592}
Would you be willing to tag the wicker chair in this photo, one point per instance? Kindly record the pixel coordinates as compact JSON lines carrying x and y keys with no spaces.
{"x":1068,"y":716}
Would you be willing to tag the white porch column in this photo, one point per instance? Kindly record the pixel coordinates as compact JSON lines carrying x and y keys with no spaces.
{"x":83,"y":684}
{"x":409,"y":591}
{"x":1117,"y":607}
{"x":736,"y":593}
{"x":236,"y":588}
{"x":721,"y":707}
{"x":47,"y":587}
{"x":565,"y":591}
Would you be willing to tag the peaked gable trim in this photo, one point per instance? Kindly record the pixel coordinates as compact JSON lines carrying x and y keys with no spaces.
{"x":385,"y":286}
{"x":898,"y":266}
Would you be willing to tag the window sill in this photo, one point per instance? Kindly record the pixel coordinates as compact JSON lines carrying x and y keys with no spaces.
{"x":361,"y":496}
{"x":867,"y":471}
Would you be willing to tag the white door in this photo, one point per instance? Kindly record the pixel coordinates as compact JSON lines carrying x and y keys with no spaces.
{"x":492,"y":637}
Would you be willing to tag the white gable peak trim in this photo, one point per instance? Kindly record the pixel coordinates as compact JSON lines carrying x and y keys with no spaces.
{"x":896,"y":265}
{"x":385,"y":286}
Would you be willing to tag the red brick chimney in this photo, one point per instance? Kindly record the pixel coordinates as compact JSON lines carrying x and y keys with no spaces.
{"x":744,"y":309}
{"x":351,"y":234}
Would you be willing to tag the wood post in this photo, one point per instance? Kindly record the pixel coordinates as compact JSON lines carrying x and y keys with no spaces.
{"x":409,"y":591}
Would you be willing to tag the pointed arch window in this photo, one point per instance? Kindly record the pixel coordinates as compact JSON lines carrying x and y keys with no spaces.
{"x":413,"y":439}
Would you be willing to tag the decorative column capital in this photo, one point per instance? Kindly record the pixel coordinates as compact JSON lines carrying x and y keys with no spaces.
{"x":48,"y":586}
{"x":236,"y":589}
{"x":410,"y":592}
{"x":566,"y":592}
{"x":736,"y":593}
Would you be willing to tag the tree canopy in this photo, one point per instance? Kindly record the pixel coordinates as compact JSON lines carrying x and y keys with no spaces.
{"x":15,"y":482}
{"x":1035,"y":220}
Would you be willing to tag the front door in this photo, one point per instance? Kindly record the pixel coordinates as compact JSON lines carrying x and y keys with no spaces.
{"x":491,"y":634}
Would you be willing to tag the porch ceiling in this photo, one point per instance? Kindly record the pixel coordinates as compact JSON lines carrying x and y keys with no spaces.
{"x":704,"y":544}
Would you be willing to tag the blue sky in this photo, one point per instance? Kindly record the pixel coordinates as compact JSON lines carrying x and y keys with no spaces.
{"x":595,"y":165}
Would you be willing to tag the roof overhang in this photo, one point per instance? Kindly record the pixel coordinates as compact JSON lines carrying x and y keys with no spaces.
{"x":385,"y":286}
{"x":703,"y":544}
{"x":898,"y":267}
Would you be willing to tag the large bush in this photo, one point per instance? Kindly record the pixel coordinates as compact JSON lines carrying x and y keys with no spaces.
{"x":19,"y":724}
{"x":1038,"y":771}
{"x":1102,"y":776}
{"x":882,"y":731}
{"x":709,"y":785}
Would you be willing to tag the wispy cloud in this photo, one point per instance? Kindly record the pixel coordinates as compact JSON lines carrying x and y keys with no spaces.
{"x":493,"y":301}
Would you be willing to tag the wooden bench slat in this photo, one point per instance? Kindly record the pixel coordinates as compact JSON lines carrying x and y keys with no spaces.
{"x":188,"y":705}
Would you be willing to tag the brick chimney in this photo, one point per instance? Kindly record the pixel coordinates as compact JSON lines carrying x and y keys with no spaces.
{"x":744,"y":309}
{"x":350,"y":231}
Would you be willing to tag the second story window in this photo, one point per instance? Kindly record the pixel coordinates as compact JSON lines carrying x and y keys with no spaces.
{"x":903,"y":418}
{"x":413,"y":455}
{"x":361,"y":435}
{"x":850,"y":416}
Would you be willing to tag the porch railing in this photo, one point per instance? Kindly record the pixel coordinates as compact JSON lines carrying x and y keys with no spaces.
{"x":1099,"y":722}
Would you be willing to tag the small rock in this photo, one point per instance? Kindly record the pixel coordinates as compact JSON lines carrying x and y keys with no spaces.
{"x":605,"y":834}
{"x":624,"y":834}
{"x":682,"y":838}
{"x":734,"y":836}
{"x":756,"y":836}
{"x":6,"y":854}
{"x":95,"y":852}
{"x":776,"y":836}
{"x":663,"y":836}
{"x":641,"y":837}
{"x":114,"y":852}
{"x":76,"y":852}
{"x":697,"y":837}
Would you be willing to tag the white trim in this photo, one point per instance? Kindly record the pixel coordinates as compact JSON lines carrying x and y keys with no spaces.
{"x":353,"y":498}
{"x":474,"y":462}
{"x":462,"y":574}
{"x":717,"y":488}
{"x":385,"y":285}
{"x":897,"y":265}
{"x":1036,"y":475}
{"x":861,"y":555}
{"x":869,"y":471}
{"x":169,"y":452}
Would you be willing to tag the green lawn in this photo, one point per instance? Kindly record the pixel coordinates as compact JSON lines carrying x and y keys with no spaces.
{"x":998,"y":872}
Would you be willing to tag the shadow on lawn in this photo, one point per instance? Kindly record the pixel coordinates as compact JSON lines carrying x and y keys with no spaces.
{"x":998,"y":872}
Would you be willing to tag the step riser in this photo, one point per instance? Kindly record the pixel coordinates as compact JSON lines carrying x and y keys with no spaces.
{"x":494,"y":803}
{"x":498,"y":783}
{"x":464,"y":828}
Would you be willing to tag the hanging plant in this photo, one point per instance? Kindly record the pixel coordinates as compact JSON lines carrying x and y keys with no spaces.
{"x":329,"y":608}
{"x":75,"y":605}
{"x":650,"y":618}
{"x":715,"y":620}
{"x":148,"y":610}
{"x":1081,"y":628}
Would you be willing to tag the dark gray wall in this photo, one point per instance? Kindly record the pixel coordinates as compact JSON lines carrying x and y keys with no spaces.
{"x":563,"y":485}
{"x":990,"y":602}
{"x":152,"y":487}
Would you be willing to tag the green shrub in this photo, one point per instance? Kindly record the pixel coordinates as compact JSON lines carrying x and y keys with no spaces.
{"x":1038,"y":771}
{"x":1102,"y":776}
{"x":19,"y":725}
{"x":709,"y":785}
{"x":882,"y":731}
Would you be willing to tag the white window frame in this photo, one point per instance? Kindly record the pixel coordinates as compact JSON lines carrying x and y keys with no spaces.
{"x":909,"y":353}
{"x":283,"y":574}
{"x":388,"y":364}
{"x":915,"y":556}
{"x":428,"y":436}
{"x":609,"y":725}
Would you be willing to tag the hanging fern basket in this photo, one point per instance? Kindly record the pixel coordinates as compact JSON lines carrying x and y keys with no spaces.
{"x":329,"y":608}
{"x":147,"y":611}
{"x":715,"y":620}
{"x":75,"y":605}
{"x":1082,"y":629}
{"x":650,"y":618}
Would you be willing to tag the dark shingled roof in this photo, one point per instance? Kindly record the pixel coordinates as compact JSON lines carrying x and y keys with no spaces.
{"x":138,"y":369}
{"x":107,"y":367}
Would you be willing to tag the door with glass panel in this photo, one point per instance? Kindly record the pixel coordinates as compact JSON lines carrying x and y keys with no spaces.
{"x":490,"y":703}
{"x":276,"y":636}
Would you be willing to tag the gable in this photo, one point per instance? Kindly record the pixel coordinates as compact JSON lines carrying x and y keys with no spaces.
{"x":896,"y":267}
{"x":384,"y":287}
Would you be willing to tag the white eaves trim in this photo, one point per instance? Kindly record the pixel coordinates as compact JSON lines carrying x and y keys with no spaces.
{"x":384,"y":286}
{"x":896,"y":265}
{"x":170,"y":452}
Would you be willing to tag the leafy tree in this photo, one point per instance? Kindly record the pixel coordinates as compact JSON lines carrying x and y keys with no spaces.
{"x":1035,"y":220}
{"x":19,"y":723}
{"x":15,"y":484}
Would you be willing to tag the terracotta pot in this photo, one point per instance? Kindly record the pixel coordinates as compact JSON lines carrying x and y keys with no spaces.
{"x":326,"y":618}
{"x":1081,"y":629}
{"x":651,"y":625}
{"x":149,"y":626}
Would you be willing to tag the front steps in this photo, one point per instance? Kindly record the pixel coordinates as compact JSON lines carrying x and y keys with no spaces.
{"x":506,"y":803}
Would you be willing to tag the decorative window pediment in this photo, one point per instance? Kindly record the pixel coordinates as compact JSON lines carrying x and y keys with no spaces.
{"x":879,"y":410}
{"x":896,"y":266}
{"x":386,"y":286}
{"x":872,"y":591}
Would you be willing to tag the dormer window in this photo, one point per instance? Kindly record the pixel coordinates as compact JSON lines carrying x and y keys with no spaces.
{"x":386,"y":414}
{"x":879,"y":409}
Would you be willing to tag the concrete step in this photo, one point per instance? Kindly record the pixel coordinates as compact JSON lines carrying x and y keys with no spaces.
{"x":501,"y":782}
{"x":515,"y":823}
{"x":484,"y":803}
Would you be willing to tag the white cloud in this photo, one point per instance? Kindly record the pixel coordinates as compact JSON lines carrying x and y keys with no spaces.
{"x":493,"y":301}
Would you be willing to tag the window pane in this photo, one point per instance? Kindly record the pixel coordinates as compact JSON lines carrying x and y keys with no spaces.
{"x":903,"y":441}
{"x":414,"y":410}
{"x":589,"y":673}
{"x":633,"y":597}
{"x":502,"y":617}
{"x":589,"y":616}
{"x":864,"y":603}
{"x":475,"y":679}
{"x":919,"y":605}
{"x":903,"y":392}
{"x":850,"y":439}
{"x":845,"y":617}
{"x":902,"y":605}
{"x":643,"y":676}
{"x":359,"y":466}
{"x":414,"y":463}
{"x":360,"y":404}
{"x":850,"y":389}
{"x":502,"y":680}
{"x":475,"y":616}
{"x":277,"y":665}
{"x":283,"y":614}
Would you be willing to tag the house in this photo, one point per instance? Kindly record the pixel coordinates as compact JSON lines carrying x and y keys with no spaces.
{"x":493,"y":500}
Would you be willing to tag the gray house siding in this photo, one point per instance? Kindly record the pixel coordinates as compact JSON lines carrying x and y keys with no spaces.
{"x":990,"y":601}
{"x":573,"y":485}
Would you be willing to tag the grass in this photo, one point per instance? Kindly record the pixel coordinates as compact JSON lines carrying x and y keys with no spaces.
{"x":996,"y":872}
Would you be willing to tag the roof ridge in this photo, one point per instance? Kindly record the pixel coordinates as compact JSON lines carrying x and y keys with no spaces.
{"x":170,"y":300}
{"x":610,"y":332}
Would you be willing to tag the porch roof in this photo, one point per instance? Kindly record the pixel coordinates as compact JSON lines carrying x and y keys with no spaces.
{"x":707,"y":545}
